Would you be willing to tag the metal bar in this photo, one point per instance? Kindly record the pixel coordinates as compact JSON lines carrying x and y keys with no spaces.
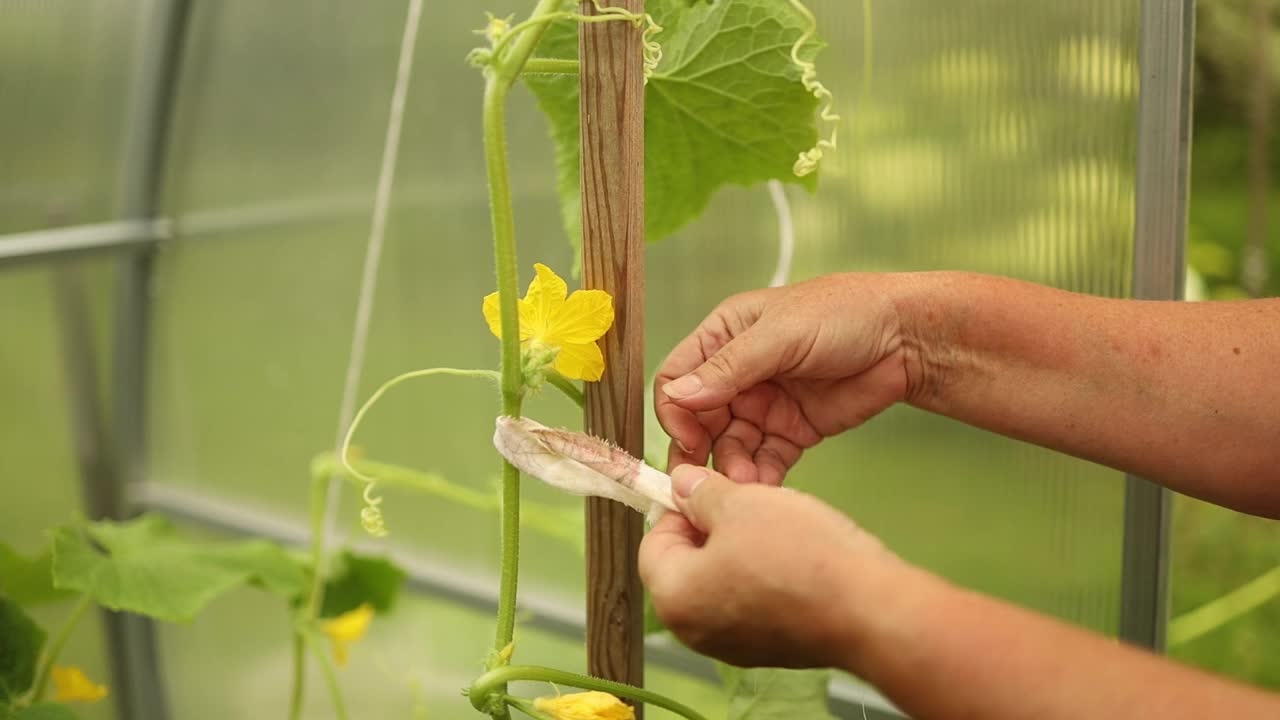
{"x":468,"y":589}
{"x":80,"y":369}
{"x":80,"y":240}
{"x":58,"y":243}
{"x":1159,"y":267}
{"x":135,"y":663}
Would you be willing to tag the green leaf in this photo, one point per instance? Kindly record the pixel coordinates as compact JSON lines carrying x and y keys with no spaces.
{"x":143,"y":566}
{"x":28,"y":581}
{"x":776,"y":694}
{"x":725,"y":106}
{"x":43,"y":711}
{"x":20,"y":643}
{"x":359,"y":579}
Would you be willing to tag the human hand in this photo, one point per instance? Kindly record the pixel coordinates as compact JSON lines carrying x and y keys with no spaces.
{"x":770,"y":373}
{"x":757,"y":575}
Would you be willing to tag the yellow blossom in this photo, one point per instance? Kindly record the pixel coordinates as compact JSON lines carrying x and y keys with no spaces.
{"x":347,"y":628}
{"x":592,"y":705}
{"x":72,"y":685}
{"x":555,"y":322}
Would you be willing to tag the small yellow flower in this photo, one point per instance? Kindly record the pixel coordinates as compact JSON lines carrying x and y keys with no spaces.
{"x":567,"y":326}
{"x":72,"y":685}
{"x":592,"y":705}
{"x":346,"y":629}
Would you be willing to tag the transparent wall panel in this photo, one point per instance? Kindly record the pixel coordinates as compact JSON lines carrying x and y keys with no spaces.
{"x":280,"y":131}
{"x":986,"y":136}
{"x":37,"y":449}
{"x":65,"y":70}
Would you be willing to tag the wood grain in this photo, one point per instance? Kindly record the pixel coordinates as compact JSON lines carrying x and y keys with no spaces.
{"x":612,"y":116}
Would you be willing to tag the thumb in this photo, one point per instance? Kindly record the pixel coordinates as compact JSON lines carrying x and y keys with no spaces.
{"x":744,"y":362}
{"x":702,"y":495}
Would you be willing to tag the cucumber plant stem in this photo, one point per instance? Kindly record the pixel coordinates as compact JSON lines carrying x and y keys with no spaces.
{"x":499,"y":77}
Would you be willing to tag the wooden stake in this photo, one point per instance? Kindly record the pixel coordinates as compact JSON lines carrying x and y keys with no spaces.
{"x":612,"y":115}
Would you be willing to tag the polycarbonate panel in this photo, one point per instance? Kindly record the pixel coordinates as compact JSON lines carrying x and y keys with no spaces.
{"x":65,"y":70}
{"x":37,"y":449}
{"x":279,"y":138}
{"x":990,"y":136}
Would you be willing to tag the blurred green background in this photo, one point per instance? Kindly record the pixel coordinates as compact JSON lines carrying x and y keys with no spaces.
{"x":995,"y":135}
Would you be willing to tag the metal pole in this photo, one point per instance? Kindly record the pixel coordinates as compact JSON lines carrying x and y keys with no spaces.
{"x":1166,"y":63}
{"x":135,"y":665}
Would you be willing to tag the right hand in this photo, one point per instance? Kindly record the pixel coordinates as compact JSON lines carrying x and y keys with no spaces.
{"x":770,"y":373}
{"x":764,"y":576}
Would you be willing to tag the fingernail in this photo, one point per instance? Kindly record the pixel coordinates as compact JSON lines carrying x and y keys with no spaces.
{"x":683,"y":387}
{"x":683,"y":448}
{"x":686,"y":478}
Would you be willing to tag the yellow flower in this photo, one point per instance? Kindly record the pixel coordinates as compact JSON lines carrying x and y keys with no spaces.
{"x":592,"y":705}
{"x":564,"y":325}
{"x":347,"y":628}
{"x":72,"y":685}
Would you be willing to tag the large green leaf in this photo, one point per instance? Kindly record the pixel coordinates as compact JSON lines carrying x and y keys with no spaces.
{"x":359,"y":579}
{"x":20,"y":643}
{"x":143,"y":566}
{"x":43,"y":711}
{"x":28,"y":581}
{"x":775,"y":694}
{"x":725,"y":106}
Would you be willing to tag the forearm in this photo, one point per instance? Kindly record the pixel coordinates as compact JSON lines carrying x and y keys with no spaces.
{"x":939,"y":651}
{"x":1182,"y":393}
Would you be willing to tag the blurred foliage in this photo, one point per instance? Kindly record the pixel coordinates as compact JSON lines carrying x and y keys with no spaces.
{"x":775,"y":693}
{"x":43,"y":711}
{"x":1225,"y":58}
{"x":26,"y":580}
{"x":1225,"y":69}
{"x":356,"y":579}
{"x":1216,"y":550}
{"x":144,"y":566}
{"x":19,"y":651}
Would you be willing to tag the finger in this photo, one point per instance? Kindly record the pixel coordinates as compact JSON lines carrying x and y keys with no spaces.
{"x":690,"y":440}
{"x":775,"y":456}
{"x":688,"y":435}
{"x":734,"y":450}
{"x":746,"y":361}
{"x":676,"y":456}
{"x":729,"y":319}
{"x":716,"y":330}
{"x":664,"y":546}
{"x":702,"y":495}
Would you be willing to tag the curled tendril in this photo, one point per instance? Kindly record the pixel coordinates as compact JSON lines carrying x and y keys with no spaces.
{"x":652,"y":51}
{"x":371,"y":515}
{"x":808,"y":161}
{"x":371,"y":518}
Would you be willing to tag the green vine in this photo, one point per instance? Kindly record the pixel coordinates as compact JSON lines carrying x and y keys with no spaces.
{"x":41,"y":684}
